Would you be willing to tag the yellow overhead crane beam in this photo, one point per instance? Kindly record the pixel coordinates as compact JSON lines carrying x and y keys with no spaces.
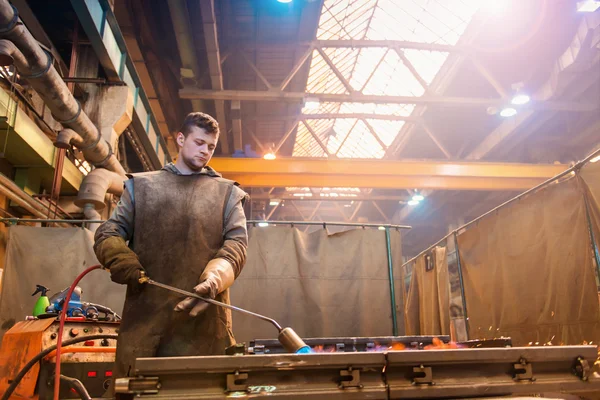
{"x":384,"y":174}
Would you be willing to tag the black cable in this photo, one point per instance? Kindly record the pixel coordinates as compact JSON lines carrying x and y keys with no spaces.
{"x":43,"y":354}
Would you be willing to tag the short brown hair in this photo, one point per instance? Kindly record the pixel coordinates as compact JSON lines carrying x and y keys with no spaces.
{"x":199,"y":120}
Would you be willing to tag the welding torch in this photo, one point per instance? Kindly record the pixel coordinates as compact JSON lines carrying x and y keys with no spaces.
{"x":287,"y":336}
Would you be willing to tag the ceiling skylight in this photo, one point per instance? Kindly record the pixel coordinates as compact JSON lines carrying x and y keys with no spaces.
{"x":375,"y":71}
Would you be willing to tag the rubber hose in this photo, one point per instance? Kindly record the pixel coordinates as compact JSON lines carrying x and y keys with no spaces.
{"x":77,"y":386}
{"x":61,"y":326}
{"x":43,"y":354}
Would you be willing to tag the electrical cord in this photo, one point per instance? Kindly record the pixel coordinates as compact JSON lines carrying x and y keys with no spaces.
{"x":44,"y":353}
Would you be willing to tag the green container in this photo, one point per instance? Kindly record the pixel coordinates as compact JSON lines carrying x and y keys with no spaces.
{"x":42,"y":303}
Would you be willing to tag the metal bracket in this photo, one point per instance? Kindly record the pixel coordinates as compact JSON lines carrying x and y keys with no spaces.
{"x":582,"y":368}
{"x":350,"y":378}
{"x":138,"y":386}
{"x":523,"y":371}
{"x":237,"y":382}
{"x":423,"y":376}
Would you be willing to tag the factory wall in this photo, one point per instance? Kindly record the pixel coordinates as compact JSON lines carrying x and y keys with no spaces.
{"x":321,"y":284}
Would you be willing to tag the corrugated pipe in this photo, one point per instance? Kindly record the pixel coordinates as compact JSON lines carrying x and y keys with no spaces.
{"x":95,"y":186}
{"x":36,"y":66}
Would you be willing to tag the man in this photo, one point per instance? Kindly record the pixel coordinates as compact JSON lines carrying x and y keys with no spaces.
{"x":186,"y":228}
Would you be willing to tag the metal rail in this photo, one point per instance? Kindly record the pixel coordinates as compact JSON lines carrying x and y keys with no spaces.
{"x":211,"y":301}
{"x":391,"y":278}
{"x":324,"y":224}
{"x":36,"y":220}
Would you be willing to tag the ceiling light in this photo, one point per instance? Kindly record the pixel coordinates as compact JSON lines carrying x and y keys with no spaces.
{"x":381,"y":228}
{"x":508,"y":112}
{"x":284,"y":1}
{"x":595,"y":159}
{"x":418,"y":197}
{"x":274,"y":202}
{"x":588,"y":5}
{"x":520,"y":99}
{"x":263,"y":224}
{"x":347,"y":205}
{"x":270,"y":156}
{"x":413,"y":203}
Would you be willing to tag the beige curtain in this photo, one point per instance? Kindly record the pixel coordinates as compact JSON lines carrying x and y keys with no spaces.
{"x":528,"y":270}
{"x":427,"y":311}
{"x":590,"y":174}
{"x":52,"y":257}
{"x":319,"y":284}
{"x":412,"y":307}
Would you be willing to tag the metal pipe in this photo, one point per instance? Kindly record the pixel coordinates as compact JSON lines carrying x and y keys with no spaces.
{"x":96,"y":184}
{"x":391,"y":277}
{"x":40,"y":209}
{"x":68,"y":137}
{"x":324,"y":224}
{"x":145,"y":279}
{"x":36,"y":66}
{"x":462,"y":284}
{"x":20,"y":201}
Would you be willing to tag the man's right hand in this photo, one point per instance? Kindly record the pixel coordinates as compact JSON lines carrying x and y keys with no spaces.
{"x":123,"y":263}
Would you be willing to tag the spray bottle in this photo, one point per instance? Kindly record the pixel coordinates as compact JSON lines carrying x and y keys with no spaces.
{"x":42,"y":303}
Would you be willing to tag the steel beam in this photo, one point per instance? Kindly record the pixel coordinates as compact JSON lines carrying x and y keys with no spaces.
{"x":340,"y":198}
{"x":190,"y":92}
{"x":211,"y":42}
{"x":295,"y":172}
{"x":385,"y":117}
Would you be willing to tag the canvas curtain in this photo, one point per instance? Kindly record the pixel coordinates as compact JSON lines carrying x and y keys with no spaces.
{"x":320,"y":284}
{"x":427,"y":309}
{"x":590,"y":174}
{"x":528,"y":270}
{"x":52,"y":257}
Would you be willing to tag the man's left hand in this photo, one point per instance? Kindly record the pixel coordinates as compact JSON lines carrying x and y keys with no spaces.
{"x":217,"y":277}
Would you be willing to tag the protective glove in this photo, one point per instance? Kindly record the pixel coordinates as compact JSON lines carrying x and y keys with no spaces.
{"x":217,"y":277}
{"x":123,"y":263}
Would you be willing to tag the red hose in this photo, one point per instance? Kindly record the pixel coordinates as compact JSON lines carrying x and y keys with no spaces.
{"x":63,"y":316}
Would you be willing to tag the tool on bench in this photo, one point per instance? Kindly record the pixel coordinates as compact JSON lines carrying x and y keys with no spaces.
{"x":76,"y":307}
{"x":287,"y":337}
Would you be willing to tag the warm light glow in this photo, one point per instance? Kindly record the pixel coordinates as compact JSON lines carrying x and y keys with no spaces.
{"x":263,"y":224}
{"x":270,"y":156}
{"x":508,"y":112}
{"x":413,"y":203}
{"x":302,"y":194}
{"x":418,"y":197}
{"x":520,"y":99}
{"x":274,"y":202}
{"x":595,"y":159}
{"x":381,"y":228}
{"x":588,"y":5}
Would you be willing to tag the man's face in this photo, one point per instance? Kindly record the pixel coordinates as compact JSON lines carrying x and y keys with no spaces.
{"x":197,"y":148}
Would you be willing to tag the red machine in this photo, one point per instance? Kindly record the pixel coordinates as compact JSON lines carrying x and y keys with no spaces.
{"x":89,"y":360}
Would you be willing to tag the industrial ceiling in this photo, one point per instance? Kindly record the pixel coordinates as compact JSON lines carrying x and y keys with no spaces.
{"x":430,"y":83}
